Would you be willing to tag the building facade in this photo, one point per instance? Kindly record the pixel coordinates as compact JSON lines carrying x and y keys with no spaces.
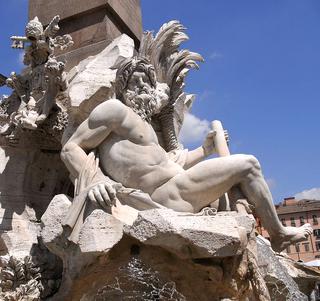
{"x":296,"y":213}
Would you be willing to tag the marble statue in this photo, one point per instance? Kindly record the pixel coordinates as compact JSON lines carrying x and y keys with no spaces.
{"x":35,"y":90}
{"x":128,"y":151}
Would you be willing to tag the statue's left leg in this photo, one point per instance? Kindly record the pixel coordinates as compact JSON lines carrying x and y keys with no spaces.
{"x":208,"y":180}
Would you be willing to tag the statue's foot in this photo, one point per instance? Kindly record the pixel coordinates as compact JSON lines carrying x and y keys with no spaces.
{"x":289,"y":236}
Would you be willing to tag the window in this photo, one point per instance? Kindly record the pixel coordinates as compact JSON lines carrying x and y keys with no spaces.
{"x":306,"y":247}
{"x":318,"y":245}
{"x":283,"y":221}
{"x":293,"y":222}
{"x":297,"y":248}
{"x":301,"y":218}
{"x":288,"y":250}
{"x":314,"y":219}
{"x":316,"y":232}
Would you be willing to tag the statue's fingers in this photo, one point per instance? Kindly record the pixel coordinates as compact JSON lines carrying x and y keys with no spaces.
{"x":99,"y":198}
{"x":105,"y":195}
{"x":112,"y":192}
{"x":91,"y":196}
{"x":210,"y":134}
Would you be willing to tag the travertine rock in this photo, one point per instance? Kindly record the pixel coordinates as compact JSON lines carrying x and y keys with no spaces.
{"x":52,"y":231}
{"x":100,"y":233}
{"x":91,"y":81}
{"x":166,"y":252}
{"x":190,"y":236}
{"x":280,"y":284}
{"x":92,"y":78}
{"x":304,"y":276}
{"x":29,"y":178}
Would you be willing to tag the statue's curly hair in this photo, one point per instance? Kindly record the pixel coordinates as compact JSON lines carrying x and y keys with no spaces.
{"x":127,"y":68}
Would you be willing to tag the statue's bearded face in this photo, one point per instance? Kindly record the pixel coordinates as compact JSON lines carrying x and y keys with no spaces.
{"x":145,"y":99}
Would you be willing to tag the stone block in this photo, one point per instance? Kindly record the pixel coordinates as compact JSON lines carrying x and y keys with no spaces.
{"x":100,"y":233}
{"x":189,"y":236}
{"x":52,"y":230}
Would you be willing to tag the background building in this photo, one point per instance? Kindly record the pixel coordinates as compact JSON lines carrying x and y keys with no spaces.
{"x":296,"y":213}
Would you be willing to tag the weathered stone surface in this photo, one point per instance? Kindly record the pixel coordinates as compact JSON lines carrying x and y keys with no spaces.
{"x":304,"y":276}
{"x":91,"y":82}
{"x":29,"y":178}
{"x":159,"y":252}
{"x":100,"y":233}
{"x":93,"y":77}
{"x":52,"y":230}
{"x":190,"y":236}
{"x":280,"y":284}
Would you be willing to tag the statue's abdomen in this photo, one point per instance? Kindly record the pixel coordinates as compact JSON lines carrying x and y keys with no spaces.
{"x":136,"y":166}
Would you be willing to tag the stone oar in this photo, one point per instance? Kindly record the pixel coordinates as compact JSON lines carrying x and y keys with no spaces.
{"x":221,"y":145}
{"x":222,"y":149}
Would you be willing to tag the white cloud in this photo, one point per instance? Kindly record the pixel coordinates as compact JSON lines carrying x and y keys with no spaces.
{"x":194,"y":129}
{"x":215,"y":55}
{"x":311,"y":194}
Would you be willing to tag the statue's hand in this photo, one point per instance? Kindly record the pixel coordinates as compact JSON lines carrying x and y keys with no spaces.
{"x":208,"y":144}
{"x":103,"y":194}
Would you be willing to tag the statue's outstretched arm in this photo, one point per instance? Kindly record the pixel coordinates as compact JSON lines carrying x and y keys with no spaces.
{"x":208,"y":148}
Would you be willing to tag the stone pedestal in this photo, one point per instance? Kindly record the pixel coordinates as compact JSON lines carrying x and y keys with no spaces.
{"x":92,"y":24}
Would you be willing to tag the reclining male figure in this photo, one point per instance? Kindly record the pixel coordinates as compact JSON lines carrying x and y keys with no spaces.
{"x":129,"y":153}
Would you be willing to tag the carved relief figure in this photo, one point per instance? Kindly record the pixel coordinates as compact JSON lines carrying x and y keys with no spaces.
{"x":37,"y":87}
{"x":121,"y":132}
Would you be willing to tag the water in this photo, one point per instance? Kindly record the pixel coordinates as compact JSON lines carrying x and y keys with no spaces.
{"x":136,"y":281}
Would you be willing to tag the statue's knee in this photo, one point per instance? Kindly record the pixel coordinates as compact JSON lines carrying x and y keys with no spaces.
{"x":250,"y":163}
{"x":253,"y":163}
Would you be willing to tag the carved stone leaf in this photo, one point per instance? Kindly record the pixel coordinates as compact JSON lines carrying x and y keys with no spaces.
{"x":171,"y":67}
{"x":7,"y":274}
{"x":63,"y":42}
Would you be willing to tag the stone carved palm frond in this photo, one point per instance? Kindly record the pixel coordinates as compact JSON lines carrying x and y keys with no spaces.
{"x":19,"y":280}
{"x":171,"y":66}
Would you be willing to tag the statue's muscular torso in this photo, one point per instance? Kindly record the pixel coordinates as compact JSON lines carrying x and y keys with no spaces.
{"x":131,"y":154}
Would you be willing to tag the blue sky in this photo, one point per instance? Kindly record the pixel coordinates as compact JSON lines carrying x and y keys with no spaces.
{"x":261,"y":78}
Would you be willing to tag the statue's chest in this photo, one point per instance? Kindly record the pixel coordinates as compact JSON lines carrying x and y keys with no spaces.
{"x":142,"y":134}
